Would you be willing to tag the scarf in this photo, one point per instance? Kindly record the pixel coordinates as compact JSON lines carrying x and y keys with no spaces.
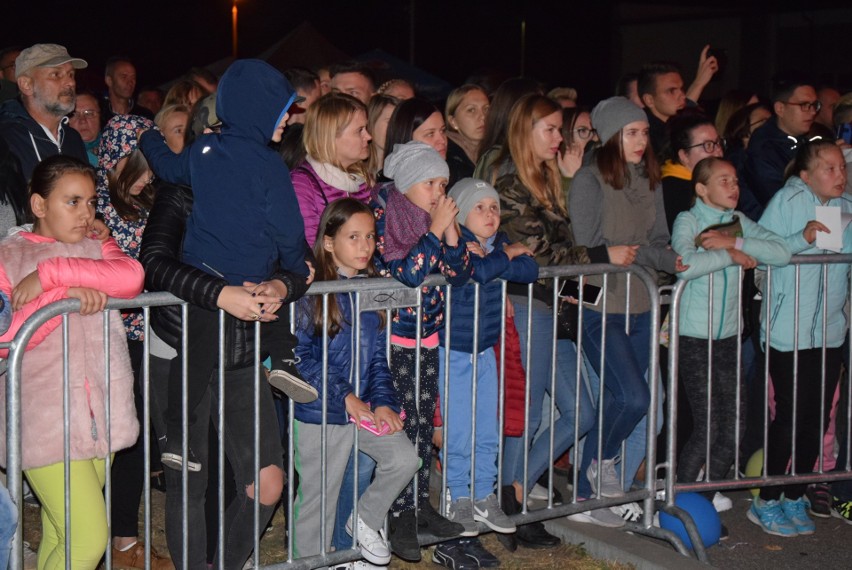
{"x":335,"y":177}
{"x":405,"y":223}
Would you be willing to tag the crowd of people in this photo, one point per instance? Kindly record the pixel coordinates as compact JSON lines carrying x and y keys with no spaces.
{"x":236,"y":193}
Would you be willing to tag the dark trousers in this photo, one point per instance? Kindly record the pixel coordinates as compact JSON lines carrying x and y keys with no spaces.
{"x":723,"y":406}
{"x":418,"y":426}
{"x":809,"y":430}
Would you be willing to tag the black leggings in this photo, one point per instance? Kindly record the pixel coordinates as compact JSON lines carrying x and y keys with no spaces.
{"x":809,"y":430}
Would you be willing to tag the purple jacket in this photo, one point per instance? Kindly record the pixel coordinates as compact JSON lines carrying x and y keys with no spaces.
{"x":315,"y":191}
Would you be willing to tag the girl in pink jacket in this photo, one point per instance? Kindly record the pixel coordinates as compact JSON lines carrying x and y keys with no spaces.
{"x":60,"y":259}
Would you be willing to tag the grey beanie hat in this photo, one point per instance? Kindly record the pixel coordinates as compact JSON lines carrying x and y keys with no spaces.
{"x":613,"y":114}
{"x":414,"y":162}
{"x":467,"y":192}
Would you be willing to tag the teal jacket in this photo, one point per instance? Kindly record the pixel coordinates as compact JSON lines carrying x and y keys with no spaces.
{"x":763,"y":245}
{"x":787,"y":213}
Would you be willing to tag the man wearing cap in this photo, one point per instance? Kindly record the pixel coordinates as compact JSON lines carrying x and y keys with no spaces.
{"x":34,"y":126}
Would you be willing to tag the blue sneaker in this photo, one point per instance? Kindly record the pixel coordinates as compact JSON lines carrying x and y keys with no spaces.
{"x":769,"y":516}
{"x":797,"y":513}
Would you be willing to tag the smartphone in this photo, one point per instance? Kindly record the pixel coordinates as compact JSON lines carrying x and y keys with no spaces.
{"x":373,"y":428}
{"x":844,"y":132}
{"x":591,"y":293}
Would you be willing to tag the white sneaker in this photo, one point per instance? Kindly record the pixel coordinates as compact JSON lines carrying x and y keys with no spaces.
{"x":357,"y":565}
{"x":538,"y":493}
{"x":610,"y":482}
{"x":602,"y":517}
{"x":722,"y":503}
{"x":630,"y":512}
{"x":374,"y":545}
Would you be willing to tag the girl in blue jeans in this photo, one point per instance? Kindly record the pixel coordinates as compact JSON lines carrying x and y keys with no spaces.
{"x":617,"y":200}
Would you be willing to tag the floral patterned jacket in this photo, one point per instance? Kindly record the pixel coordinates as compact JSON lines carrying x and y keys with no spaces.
{"x":429,"y":255}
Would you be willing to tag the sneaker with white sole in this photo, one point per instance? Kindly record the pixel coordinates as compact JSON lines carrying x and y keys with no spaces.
{"x":461,"y":511}
{"x":374,"y":546}
{"x":797,"y":513}
{"x":722,"y":503}
{"x":610,"y":483}
{"x":287,"y":380}
{"x":630,"y":512}
{"x":841,"y":509}
{"x":488,"y":511}
{"x":602,"y":517}
{"x":357,"y":565}
{"x":770,"y":517}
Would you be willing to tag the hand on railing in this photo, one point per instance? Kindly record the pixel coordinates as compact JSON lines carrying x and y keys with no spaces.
{"x":239,"y":301}
{"x":91,"y":300}
{"x":26,"y":290}
{"x":513,"y":250}
{"x":740,"y":258}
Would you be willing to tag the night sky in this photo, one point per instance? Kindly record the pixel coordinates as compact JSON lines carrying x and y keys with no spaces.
{"x":568,"y":42}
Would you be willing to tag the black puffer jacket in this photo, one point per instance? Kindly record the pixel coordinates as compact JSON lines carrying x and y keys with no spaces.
{"x":164,"y":271}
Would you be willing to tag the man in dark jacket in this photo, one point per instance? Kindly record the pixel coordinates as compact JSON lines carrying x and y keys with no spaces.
{"x":120,"y":79}
{"x":774,"y":145}
{"x":34,"y":126}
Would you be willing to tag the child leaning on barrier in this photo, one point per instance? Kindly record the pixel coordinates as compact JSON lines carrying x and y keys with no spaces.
{"x":344,"y":250}
{"x":61,"y":259}
{"x":492,"y":258}
{"x":715,"y":252}
{"x":417,"y":236}
{"x":817,"y":177}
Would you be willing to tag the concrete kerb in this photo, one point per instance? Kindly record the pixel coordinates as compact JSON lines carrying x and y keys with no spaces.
{"x":619,"y":546}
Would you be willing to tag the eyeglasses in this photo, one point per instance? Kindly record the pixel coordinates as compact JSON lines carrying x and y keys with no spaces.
{"x":584,"y":133}
{"x":806,"y":106}
{"x":85,"y":113}
{"x":710,"y":146}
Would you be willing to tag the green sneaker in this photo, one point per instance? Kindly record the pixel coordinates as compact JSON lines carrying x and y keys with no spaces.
{"x":841,"y":509}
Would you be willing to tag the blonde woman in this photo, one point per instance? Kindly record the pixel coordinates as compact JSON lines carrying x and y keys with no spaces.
{"x":465,"y":113}
{"x":337,"y":141}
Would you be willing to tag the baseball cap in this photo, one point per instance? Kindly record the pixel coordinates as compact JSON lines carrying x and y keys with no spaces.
{"x":45,"y":55}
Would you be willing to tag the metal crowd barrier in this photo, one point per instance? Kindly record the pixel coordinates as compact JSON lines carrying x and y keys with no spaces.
{"x":737,"y":479}
{"x":370,"y":295}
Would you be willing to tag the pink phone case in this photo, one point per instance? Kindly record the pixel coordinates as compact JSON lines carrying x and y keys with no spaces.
{"x":371,"y":427}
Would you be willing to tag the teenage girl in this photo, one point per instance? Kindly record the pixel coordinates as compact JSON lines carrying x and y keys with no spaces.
{"x":717,"y":192}
{"x":344,"y":251}
{"x":57,"y":260}
{"x":817,"y":177}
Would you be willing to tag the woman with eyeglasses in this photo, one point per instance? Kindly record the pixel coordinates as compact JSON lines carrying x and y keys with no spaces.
{"x":577,"y":135}
{"x":693,"y":137}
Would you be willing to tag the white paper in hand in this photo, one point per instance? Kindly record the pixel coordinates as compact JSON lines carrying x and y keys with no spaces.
{"x":829,"y":216}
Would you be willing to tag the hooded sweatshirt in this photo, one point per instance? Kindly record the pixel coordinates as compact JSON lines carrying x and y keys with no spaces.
{"x":245,"y":221}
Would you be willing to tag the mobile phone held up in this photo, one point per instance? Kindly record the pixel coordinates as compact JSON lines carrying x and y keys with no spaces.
{"x":591,"y":293}
{"x":373,"y":428}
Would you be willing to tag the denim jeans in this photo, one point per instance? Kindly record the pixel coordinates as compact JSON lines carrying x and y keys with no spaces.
{"x":458,"y":441}
{"x":626,"y":393}
{"x":539,"y":383}
{"x":8,"y":524}
{"x":340,"y":538}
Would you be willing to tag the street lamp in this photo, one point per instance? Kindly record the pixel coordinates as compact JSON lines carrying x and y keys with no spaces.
{"x":234,"y":30}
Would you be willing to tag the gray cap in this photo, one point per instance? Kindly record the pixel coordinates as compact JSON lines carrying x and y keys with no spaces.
{"x":45,"y":55}
{"x":467,"y":192}
{"x":613,"y":114}
{"x":414,"y":162}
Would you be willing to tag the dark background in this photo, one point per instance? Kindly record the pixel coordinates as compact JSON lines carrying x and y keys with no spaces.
{"x":577,"y":43}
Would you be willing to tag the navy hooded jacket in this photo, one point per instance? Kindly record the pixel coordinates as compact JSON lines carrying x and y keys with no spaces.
{"x":245,"y":221}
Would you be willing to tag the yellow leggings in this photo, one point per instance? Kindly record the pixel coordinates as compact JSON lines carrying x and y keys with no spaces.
{"x":88,"y":514}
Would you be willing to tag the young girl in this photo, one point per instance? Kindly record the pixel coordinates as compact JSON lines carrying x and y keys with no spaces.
{"x":417,"y":235}
{"x":717,"y":190}
{"x":56,"y":261}
{"x":617,"y":201}
{"x":818,"y":178}
{"x":344,"y":251}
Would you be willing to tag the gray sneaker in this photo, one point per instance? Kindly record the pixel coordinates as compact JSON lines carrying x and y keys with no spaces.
{"x":601,"y":517}
{"x":488,"y":511}
{"x":461,"y":511}
{"x":610,"y":483}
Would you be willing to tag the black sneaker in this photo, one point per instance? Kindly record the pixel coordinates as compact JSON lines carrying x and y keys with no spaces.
{"x":473,"y":549}
{"x":819,"y":497}
{"x":287,"y":380}
{"x":403,"y":536}
{"x":172,"y":457}
{"x":451,"y":554}
{"x":429,"y":521}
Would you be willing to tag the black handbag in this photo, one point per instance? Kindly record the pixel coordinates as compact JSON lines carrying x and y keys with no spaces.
{"x":566,"y":320}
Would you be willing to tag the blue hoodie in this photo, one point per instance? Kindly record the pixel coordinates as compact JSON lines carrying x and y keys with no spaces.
{"x":245,"y":219}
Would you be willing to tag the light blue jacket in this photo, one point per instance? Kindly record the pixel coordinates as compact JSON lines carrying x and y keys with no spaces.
{"x":787,"y":214}
{"x":763,"y":245}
